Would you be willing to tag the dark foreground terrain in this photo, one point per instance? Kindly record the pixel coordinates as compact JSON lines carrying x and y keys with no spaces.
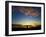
{"x":19,"y":27}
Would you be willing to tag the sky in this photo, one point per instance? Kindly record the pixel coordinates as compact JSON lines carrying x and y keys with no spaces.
{"x":26,"y":15}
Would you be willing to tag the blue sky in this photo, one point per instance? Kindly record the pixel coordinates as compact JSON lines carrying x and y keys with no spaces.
{"x":20,"y":18}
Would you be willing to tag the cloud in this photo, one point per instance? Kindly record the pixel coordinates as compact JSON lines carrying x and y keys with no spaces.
{"x":28,"y":11}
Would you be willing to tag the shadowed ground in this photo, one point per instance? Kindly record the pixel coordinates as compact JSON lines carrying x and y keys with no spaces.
{"x":19,"y":27}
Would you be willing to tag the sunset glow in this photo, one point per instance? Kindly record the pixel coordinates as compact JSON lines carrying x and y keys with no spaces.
{"x":28,"y":22}
{"x":26,"y":16}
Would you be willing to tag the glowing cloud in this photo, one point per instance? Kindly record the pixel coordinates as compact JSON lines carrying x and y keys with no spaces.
{"x":28,"y":11}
